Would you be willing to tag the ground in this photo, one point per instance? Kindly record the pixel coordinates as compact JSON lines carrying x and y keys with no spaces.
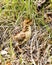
{"x":37,"y":50}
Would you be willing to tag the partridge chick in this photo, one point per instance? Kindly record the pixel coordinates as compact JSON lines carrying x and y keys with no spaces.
{"x":25,"y":34}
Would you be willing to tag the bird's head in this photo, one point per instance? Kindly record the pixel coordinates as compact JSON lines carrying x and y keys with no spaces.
{"x":26,"y":22}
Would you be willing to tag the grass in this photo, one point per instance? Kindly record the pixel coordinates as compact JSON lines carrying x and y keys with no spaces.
{"x":11,"y":48}
{"x":12,"y":12}
{"x":2,"y":60}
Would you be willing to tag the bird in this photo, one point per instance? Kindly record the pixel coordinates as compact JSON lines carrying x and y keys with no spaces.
{"x":24,"y":35}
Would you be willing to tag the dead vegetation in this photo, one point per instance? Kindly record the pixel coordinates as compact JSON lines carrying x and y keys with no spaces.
{"x":26,"y":32}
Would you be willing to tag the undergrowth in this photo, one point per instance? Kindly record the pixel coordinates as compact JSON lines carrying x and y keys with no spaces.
{"x":13,"y":12}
